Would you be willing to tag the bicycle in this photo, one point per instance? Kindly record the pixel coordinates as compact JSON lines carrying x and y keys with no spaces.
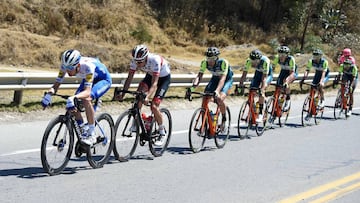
{"x":310,"y":107}
{"x":276,"y":106}
{"x":248,"y":114}
{"x":127,"y":138}
{"x":58,"y":140}
{"x":342,"y":101}
{"x":204,"y":123}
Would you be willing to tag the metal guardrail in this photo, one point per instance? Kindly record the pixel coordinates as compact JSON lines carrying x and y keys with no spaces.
{"x":19,"y":81}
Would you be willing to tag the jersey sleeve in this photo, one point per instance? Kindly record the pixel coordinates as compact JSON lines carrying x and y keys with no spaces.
{"x":266,"y":66}
{"x":203,"y":66}
{"x":309,"y":65}
{"x":224,"y":67}
{"x":292,"y":64}
{"x":247,"y":65}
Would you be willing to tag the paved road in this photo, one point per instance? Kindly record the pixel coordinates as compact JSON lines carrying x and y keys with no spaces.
{"x":286,"y":164}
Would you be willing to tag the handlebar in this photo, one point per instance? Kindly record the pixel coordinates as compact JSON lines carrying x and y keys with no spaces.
{"x":189,"y":92}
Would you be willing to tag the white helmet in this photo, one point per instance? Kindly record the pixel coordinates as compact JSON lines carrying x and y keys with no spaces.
{"x":70,"y":59}
{"x":140,"y":52}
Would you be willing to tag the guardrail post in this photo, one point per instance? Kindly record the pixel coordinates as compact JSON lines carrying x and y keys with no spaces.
{"x":17,"y":99}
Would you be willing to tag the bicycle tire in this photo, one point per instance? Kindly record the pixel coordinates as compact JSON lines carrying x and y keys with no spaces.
{"x":156,"y":149}
{"x":270,"y":111}
{"x":223,"y":132}
{"x":319,"y":115}
{"x":338,"y":111}
{"x":305,"y":113}
{"x":197,"y":136}
{"x":284,"y":114}
{"x":126,"y":139}
{"x":243,"y":123}
{"x":99,"y":153}
{"x":56,"y":127}
{"x":261,"y":126}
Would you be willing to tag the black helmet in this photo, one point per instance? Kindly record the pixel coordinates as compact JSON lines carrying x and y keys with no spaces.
{"x":212,"y":51}
{"x":255,"y":54}
{"x":283,"y":49}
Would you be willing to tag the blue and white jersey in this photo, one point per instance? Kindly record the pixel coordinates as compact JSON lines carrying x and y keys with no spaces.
{"x":91,"y":70}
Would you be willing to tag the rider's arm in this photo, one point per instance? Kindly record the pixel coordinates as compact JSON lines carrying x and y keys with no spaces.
{"x":266,"y":67}
{"x":58,"y":81}
{"x":245,"y":71}
{"x":308,"y":67}
{"x":128,"y":81}
{"x":325,"y":68}
{"x":199,"y":76}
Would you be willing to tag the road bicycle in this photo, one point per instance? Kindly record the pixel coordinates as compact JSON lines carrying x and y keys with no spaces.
{"x":248,"y":114}
{"x":205,"y":123}
{"x":342,"y":101}
{"x":311,"y":108}
{"x":133,"y":128}
{"x":276,"y":105}
{"x":58,"y":140}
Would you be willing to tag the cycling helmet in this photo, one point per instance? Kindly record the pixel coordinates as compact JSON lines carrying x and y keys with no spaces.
{"x":212,"y":51}
{"x":347,"y":52}
{"x":284,"y":49}
{"x":348,"y":62}
{"x":255,"y":54}
{"x":140,"y":52}
{"x":317,"y":52}
{"x":70,"y":59}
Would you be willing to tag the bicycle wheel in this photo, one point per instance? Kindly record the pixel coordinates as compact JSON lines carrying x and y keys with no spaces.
{"x":270,"y":110}
{"x":223,"y":129}
{"x":261,"y":126}
{"x":284,"y":114}
{"x":127,"y":137}
{"x":99,"y":153}
{"x":57,"y":145}
{"x":319,"y":114}
{"x":158,"y":148}
{"x":244,"y":120}
{"x":197,"y":132}
{"x":305,"y":113}
{"x":338,"y":111}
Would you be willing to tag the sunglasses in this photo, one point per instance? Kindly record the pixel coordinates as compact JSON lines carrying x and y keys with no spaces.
{"x":211,"y":58}
{"x":316,"y":54}
{"x":139,"y":61}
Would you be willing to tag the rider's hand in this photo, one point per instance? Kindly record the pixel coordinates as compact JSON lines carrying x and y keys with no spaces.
{"x":46,"y":101}
{"x":70,"y":103}
{"x":321,"y":84}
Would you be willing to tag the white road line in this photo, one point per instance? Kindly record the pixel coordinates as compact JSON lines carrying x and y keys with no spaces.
{"x":174,"y":133}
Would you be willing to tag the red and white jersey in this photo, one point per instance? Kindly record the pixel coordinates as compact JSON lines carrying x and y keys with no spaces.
{"x":155,"y":65}
{"x":342,"y":59}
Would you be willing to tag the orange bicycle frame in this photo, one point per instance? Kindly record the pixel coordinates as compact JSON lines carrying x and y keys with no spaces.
{"x":208,"y":117}
{"x":312,"y":106}
{"x":253,"y":114}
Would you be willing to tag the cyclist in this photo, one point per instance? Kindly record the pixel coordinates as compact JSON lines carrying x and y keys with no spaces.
{"x":321,"y":66}
{"x":221,"y":80}
{"x":262,"y":77}
{"x":346,"y":54}
{"x":349,"y":72}
{"x":156,"y":81}
{"x":288,"y":72}
{"x":96,"y":81}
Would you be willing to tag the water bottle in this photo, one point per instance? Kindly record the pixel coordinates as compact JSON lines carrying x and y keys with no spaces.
{"x":257,"y":107}
{"x":316,"y":101}
{"x":212,"y":115}
{"x":281,"y":101}
{"x":147,"y":121}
